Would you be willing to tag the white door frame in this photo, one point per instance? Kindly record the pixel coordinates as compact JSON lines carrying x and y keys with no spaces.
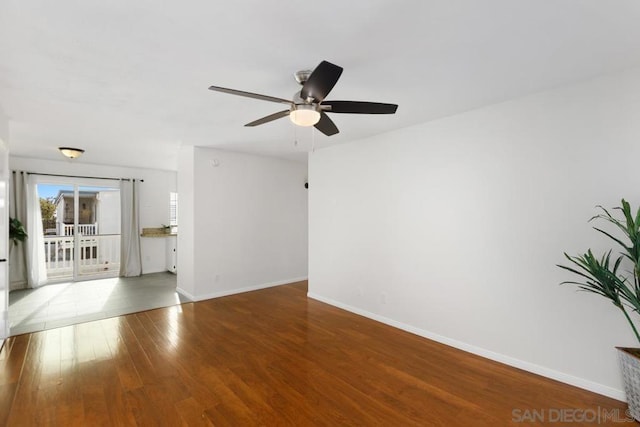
{"x":76,"y":183}
{"x":4,"y":242}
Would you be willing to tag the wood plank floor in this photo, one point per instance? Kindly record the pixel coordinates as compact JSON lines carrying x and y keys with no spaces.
{"x":270,"y":357}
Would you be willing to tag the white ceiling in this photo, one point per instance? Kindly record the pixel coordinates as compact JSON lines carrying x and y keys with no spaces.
{"x":127,"y":80}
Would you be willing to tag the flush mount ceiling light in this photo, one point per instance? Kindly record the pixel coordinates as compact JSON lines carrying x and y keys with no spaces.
{"x":70,"y":152}
{"x":304,"y":115}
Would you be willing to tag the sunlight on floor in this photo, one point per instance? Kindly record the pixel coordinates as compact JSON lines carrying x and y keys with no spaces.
{"x":172,"y":330}
{"x":63,"y":304}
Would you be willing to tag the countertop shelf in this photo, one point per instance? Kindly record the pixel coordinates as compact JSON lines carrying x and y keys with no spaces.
{"x":156,"y":232}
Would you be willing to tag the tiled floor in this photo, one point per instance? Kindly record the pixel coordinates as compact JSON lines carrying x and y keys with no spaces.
{"x":63,"y":304}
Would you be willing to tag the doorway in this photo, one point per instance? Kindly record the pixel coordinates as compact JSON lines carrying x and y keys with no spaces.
{"x":4,"y":241}
{"x":81,"y":230}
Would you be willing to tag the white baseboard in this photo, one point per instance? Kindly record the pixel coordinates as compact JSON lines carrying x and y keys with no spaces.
{"x":185,"y":293}
{"x":238,"y":290}
{"x":507,"y":360}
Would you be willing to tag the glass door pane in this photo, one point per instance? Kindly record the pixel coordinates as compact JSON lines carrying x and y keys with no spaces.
{"x":98,"y":232}
{"x":58,"y":218}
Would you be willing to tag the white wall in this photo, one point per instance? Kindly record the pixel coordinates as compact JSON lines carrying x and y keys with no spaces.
{"x":186,"y":218}
{"x":452,"y":228}
{"x":154,"y":197}
{"x":249,"y":218}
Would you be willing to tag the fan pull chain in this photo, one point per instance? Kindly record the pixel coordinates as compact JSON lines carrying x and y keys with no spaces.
{"x":313,"y":140}
{"x":295,"y":136}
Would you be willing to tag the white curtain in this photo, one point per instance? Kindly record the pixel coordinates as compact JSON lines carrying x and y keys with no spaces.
{"x":130,"y":258}
{"x":17,"y":252}
{"x":36,"y":268}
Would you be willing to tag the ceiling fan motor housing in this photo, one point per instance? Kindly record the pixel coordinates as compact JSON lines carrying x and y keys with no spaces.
{"x":302,"y":76}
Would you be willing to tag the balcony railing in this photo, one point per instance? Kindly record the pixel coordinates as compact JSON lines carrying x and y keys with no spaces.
{"x":84,"y":229}
{"x":99,"y":255}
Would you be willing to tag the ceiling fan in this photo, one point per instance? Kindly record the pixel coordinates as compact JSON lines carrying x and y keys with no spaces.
{"x":308,"y":107}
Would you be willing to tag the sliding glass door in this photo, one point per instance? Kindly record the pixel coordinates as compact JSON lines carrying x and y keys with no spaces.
{"x":81,"y":225}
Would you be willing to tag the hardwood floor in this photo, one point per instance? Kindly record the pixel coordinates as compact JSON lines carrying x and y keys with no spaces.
{"x":269,"y":357}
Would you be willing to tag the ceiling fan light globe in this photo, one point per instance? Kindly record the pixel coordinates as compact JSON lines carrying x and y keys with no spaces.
{"x":304,"y":115}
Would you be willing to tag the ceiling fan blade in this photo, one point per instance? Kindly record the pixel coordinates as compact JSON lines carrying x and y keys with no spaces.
{"x":359,"y":107}
{"x":321,"y":81}
{"x":269,"y":118}
{"x":326,"y":125}
{"x":250,"y":95}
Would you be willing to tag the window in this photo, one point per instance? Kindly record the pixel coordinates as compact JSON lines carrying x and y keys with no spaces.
{"x":173,"y":210}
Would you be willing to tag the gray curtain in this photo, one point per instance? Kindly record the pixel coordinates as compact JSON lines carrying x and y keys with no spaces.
{"x":18,"y":253}
{"x":36,"y":267}
{"x":26,"y":259}
{"x":130,"y":257}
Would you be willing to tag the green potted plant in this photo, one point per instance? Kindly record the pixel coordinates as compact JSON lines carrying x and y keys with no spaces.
{"x":604,"y":276}
{"x":17,"y":233}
